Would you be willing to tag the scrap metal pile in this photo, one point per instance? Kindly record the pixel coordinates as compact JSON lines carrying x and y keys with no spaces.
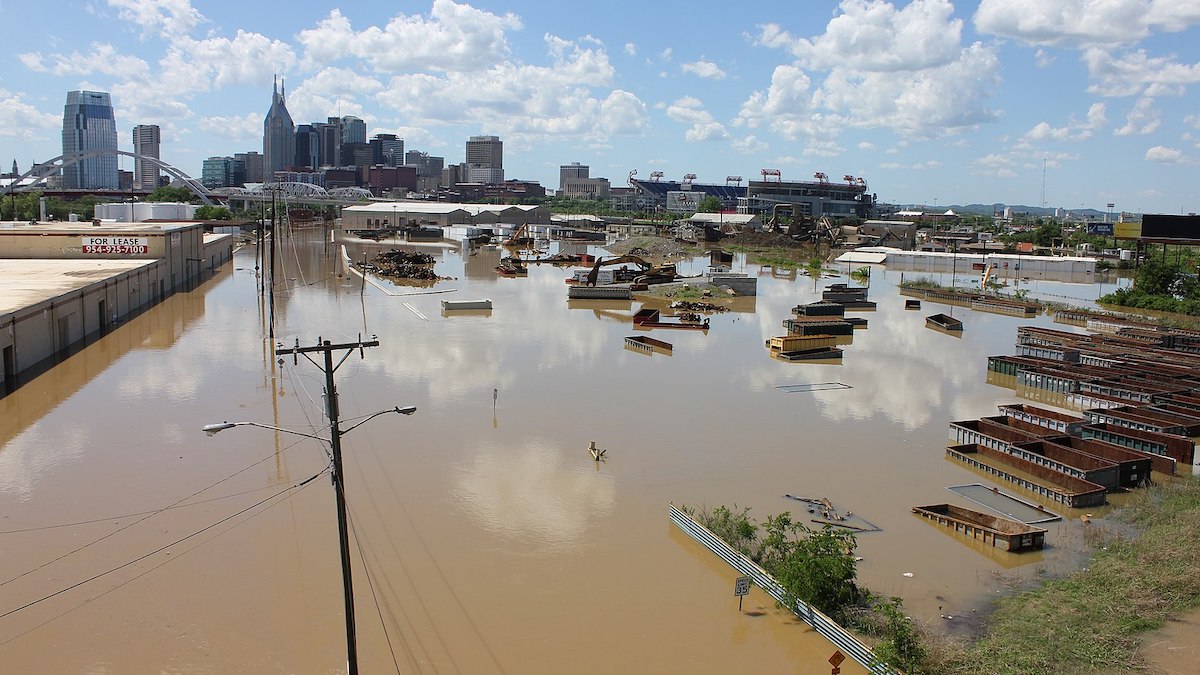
{"x":402,"y":265}
{"x":688,"y":306}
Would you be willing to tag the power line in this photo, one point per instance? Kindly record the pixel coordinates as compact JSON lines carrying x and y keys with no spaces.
{"x":147,"y":515}
{"x":161,"y":548}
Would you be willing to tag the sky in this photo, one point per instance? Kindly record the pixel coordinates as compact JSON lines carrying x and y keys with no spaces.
{"x":1066,"y":103}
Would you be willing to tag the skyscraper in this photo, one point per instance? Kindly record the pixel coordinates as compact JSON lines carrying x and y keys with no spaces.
{"x":387,"y":149}
{"x":567,"y":172}
{"x":485,"y":160}
{"x":146,"y":140}
{"x":354,"y":130}
{"x":279,"y":137}
{"x":88,"y":124}
{"x":308,"y":146}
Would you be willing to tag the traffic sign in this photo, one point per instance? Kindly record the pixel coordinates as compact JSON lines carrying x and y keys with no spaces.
{"x":742,"y":586}
{"x":837,"y":658}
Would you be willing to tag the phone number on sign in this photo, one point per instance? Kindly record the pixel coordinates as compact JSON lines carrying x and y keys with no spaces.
{"x":114,"y":249}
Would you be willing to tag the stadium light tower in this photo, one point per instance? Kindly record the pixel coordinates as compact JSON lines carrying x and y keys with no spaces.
{"x":736,"y":180}
{"x":772,"y":172}
{"x":655,"y":176}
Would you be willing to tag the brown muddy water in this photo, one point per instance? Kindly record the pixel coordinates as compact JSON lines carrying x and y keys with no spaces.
{"x":486,"y":540}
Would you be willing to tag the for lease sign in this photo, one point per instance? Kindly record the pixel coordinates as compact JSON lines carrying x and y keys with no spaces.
{"x":116,"y":245}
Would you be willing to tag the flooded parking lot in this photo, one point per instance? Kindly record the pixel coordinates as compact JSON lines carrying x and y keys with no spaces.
{"x":486,"y":539}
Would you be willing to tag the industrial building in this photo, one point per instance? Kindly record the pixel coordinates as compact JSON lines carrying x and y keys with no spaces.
{"x":64,"y":283}
{"x":438,"y":214}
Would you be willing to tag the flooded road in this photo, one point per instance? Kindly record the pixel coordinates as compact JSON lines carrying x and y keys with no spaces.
{"x":485,"y":538}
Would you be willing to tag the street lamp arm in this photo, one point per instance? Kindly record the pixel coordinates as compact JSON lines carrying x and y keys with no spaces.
{"x":213,"y":429}
{"x":406,"y":410}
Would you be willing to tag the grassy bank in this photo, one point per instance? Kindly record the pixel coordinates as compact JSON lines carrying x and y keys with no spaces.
{"x":1094,"y":620}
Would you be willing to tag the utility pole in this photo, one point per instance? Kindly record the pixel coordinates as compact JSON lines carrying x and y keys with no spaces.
{"x":339,"y":486}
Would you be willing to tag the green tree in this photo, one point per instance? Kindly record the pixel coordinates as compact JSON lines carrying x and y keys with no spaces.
{"x":213,"y":213}
{"x":816,"y":566}
{"x":170,"y":193}
{"x":709,"y":204}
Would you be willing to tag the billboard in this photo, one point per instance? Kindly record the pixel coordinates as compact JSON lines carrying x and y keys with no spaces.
{"x":684,"y":201}
{"x":1102,"y":229}
{"x":1127,"y":230}
{"x":1170,"y":229}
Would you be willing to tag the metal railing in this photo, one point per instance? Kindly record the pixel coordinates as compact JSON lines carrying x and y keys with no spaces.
{"x":827,"y":627}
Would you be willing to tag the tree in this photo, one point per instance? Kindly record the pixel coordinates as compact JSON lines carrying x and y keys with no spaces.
{"x":170,"y":193}
{"x":816,"y":566}
{"x":710,"y":204}
{"x":213,"y":213}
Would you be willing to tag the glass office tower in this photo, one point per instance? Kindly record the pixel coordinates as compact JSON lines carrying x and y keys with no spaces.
{"x":89,"y":124}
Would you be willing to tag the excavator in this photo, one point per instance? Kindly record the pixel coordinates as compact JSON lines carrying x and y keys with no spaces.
{"x":649,"y":274}
{"x":520,"y":237}
{"x":619,"y":260}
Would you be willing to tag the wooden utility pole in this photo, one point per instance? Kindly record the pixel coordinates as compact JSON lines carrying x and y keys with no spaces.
{"x":339,"y":486}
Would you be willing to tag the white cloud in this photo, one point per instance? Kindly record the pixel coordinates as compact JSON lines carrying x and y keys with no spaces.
{"x":1073,"y":131}
{"x":19,"y":119}
{"x":630,"y":49}
{"x":866,"y":146}
{"x":245,"y":128}
{"x":562,"y":100}
{"x":666,"y":54}
{"x":1083,"y":23}
{"x":1142,"y":119}
{"x":919,"y":166}
{"x":100,"y":58}
{"x":901,"y":69}
{"x":1136,"y":73}
{"x":748,"y":145}
{"x":875,"y":36}
{"x":217,"y":62}
{"x":1044,"y":59}
{"x":453,"y":38}
{"x":823,"y":148}
{"x":158,"y":17}
{"x":924,"y":104}
{"x":1164,"y":155}
{"x":784,"y":106}
{"x":703,"y":68}
{"x":690,"y":110}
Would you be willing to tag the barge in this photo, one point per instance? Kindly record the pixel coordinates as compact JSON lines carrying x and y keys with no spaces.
{"x":944,"y":322}
{"x":1009,"y":535}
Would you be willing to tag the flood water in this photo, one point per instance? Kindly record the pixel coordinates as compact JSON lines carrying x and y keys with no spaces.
{"x":486,"y":540}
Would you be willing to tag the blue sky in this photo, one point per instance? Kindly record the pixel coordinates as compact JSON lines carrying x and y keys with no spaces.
{"x":931,"y":102}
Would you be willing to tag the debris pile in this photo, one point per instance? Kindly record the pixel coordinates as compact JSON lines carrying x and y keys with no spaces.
{"x":688,"y":306}
{"x":651,"y":248}
{"x":402,"y":265}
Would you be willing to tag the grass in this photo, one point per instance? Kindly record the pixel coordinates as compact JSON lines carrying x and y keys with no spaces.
{"x":1094,"y":620}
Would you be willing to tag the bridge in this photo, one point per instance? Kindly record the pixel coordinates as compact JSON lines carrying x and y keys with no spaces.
{"x":266,"y":192}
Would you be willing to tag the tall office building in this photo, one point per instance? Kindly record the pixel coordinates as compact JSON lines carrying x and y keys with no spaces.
{"x":279,"y":137}
{"x":254,"y":165}
{"x":89,"y":124}
{"x":308,"y":146}
{"x":354,"y":130}
{"x":146,"y":139}
{"x":485,"y":160}
{"x":217,"y":172}
{"x":566,"y":172}
{"x":387,"y":149}
{"x":331,"y":141}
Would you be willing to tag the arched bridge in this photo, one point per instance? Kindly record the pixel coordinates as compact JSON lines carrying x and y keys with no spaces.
{"x":306,"y":192}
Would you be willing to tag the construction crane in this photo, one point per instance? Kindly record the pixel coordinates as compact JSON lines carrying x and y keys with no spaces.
{"x":736,"y":180}
{"x":656,"y":175}
{"x":772,"y":172}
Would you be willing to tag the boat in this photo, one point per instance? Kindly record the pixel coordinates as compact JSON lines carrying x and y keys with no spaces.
{"x":483,"y":303}
{"x":1000,"y":532}
{"x":944,"y":322}
{"x":651,"y":318}
{"x":814,"y":354}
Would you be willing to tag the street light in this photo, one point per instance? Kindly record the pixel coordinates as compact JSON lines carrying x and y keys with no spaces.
{"x":335,"y":441}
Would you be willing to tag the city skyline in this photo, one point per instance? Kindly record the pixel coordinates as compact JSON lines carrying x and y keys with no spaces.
{"x":1013,"y":101}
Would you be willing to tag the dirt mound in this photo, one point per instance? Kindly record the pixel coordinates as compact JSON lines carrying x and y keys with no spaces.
{"x":650,"y":247}
{"x":762,"y":240}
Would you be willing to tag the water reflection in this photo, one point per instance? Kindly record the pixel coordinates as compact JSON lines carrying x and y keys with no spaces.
{"x":530,"y":494}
